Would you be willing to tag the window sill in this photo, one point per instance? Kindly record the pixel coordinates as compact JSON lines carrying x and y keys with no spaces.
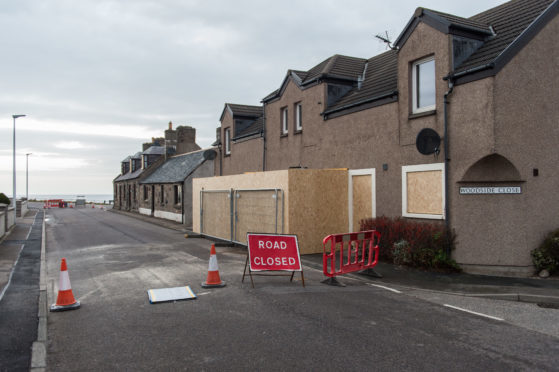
{"x":226,"y":155}
{"x":298,"y":131}
{"x":422,"y":114}
{"x":284,"y":135}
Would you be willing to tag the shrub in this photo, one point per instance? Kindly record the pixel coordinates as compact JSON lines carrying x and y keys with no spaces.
{"x":412,"y":243}
{"x":4,"y":199}
{"x":546,"y":256}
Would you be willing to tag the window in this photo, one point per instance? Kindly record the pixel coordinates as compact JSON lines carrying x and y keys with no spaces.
{"x":135,"y":196}
{"x":423,"y":85}
{"x":423,"y":191}
{"x":298,"y":117}
{"x":162,"y":193}
{"x":145,"y":192}
{"x":227,"y":141}
{"x":178,"y":194}
{"x":284,"y":123}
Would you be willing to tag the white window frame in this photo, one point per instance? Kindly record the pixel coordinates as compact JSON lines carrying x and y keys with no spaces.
{"x":298,"y":116}
{"x":227,"y":141}
{"x":361,"y":172}
{"x":414,"y":84}
{"x":284,"y":121}
{"x":422,"y":168}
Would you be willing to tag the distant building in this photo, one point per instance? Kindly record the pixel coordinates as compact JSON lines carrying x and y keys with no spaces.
{"x":157,"y":180}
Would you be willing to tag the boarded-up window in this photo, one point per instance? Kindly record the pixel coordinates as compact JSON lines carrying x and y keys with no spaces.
{"x":423,"y":191}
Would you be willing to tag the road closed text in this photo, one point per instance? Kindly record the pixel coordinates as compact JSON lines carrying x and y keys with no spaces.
{"x":271,"y":261}
{"x":273,"y":252}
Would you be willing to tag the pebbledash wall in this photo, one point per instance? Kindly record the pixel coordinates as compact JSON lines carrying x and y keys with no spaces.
{"x":502,"y":130}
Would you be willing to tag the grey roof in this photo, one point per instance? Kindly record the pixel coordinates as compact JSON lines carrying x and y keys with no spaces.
{"x":154,"y":150}
{"x":246,"y":110}
{"x":177,"y":168}
{"x":381,"y":79}
{"x":338,"y":67}
{"x":129,"y":176}
{"x":137,"y":155}
{"x":127,"y":159}
{"x":509,"y":21}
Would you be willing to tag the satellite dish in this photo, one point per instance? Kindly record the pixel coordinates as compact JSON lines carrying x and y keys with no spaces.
{"x":428,"y":141}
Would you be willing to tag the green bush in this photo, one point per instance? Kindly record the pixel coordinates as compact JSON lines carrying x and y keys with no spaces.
{"x":4,"y":199}
{"x":546,"y":256}
{"x":413,"y":243}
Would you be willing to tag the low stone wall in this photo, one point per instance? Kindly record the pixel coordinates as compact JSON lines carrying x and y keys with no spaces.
{"x":2,"y":223}
{"x":22,"y":208}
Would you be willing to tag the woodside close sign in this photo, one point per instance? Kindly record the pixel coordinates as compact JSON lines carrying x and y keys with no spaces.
{"x":490,"y":190}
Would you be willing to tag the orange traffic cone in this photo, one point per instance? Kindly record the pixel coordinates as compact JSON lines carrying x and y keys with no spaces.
{"x":213,"y":280}
{"x":65,"y":299}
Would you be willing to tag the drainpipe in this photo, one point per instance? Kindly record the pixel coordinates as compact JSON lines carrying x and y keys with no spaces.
{"x":446,"y":161}
{"x":263,"y":136}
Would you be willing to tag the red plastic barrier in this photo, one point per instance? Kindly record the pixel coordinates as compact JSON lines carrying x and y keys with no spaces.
{"x":350,"y":252}
{"x":54,"y":203}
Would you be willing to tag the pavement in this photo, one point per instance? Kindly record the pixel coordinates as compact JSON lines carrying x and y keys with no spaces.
{"x":534,"y":290}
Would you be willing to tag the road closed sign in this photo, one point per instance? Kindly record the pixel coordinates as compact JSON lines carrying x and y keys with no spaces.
{"x":267,"y":252}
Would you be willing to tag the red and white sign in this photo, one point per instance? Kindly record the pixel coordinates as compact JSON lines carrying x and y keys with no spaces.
{"x":273,"y":252}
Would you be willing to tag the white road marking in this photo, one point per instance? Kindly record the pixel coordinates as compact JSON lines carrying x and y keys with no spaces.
{"x":383,"y":287}
{"x":203,"y":293}
{"x":473,"y":312}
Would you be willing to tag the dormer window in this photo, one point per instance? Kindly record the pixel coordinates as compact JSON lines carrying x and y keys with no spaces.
{"x":284,"y":121}
{"x":423,"y":85}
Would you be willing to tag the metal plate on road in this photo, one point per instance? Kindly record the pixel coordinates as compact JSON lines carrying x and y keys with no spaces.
{"x":170,"y":294}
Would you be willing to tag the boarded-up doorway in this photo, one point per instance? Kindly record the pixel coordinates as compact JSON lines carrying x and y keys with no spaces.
{"x":361,"y":200}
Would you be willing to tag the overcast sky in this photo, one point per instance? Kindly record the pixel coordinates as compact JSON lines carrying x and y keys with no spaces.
{"x":98,"y":78}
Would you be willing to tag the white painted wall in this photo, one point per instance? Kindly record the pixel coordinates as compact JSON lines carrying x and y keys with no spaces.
{"x":177,"y":217}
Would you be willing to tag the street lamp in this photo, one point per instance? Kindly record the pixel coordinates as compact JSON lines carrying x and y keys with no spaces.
{"x":27,"y":176}
{"x":14,"y":157}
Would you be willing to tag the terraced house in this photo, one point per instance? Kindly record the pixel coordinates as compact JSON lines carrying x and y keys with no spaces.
{"x":456,"y":123}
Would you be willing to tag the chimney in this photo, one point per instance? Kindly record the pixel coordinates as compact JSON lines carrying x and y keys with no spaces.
{"x":170,"y":125}
{"x":186,"y":140}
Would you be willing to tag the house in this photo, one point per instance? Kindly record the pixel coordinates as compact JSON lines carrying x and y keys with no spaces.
{"x":456,"y":124}
{"x":167,"y":192}
{"x":128,"y":194}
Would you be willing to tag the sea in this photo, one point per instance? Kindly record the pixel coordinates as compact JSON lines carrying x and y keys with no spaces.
{"x":95,"y":198}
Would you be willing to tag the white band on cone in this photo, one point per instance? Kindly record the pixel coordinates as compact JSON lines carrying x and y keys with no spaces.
{"x":213,"y":263}
{"x":64,"y":283}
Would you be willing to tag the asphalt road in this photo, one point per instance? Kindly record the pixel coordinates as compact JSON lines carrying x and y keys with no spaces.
{"x":113,"y":260}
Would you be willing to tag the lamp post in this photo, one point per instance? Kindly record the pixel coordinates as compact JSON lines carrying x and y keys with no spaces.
{"x":14,"y":157}
{"x":27,"y":176}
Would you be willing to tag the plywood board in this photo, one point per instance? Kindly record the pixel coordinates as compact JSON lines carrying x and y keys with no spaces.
{"x":257,"y":212}
{"x":362,"y":198}
{"x":216,"y":214}
{"x":424,"y":192}
{"x":318,"y":206}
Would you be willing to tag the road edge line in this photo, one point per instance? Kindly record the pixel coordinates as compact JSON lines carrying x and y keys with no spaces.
{"x":473,"y":312}
{"x":39,"y":348}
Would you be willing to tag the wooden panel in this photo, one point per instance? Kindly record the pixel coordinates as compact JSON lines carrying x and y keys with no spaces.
{"x":216,"y":214}
{"x":425,"y":193}
{"x":362,"y":199}
{"x":256,"y":213}
{"x":318,"y":206}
